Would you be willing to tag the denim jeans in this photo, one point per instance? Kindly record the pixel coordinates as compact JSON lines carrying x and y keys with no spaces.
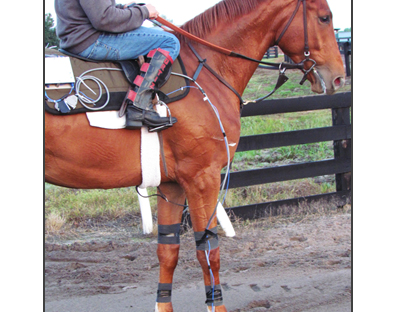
{"x":129,"y":45}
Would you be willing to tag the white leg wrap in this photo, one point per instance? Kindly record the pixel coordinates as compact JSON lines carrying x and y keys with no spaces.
{"x":145,"y":210}
{"x":224,"y":221}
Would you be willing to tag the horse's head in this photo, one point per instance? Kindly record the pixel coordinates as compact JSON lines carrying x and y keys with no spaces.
{"x":323,"y":47}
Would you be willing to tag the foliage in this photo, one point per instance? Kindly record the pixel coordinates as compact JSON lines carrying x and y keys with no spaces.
{"x":50,"y":38}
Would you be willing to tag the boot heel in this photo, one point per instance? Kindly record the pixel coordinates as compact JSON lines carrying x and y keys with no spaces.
{"x":131,"y":125}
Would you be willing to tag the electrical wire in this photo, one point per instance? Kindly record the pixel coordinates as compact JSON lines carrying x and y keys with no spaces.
{"x":226,"y":177}
{"x":85,"y":100}
{"x":63,"y":97}
{"x":224,"y":185}
{"x":212,"y":281}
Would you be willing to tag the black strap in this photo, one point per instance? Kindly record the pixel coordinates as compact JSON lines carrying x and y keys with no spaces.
{"x":205,"y":236}
{"x":288,"y":23}
{"x":161,"y":141}
{"x":281,"y":79}
{"x":221,"y":79}
{"x":164,"y":293}
{"x":214,"y":296}
{"x":200,"y":66}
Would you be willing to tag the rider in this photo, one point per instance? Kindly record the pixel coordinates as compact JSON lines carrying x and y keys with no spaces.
{"x":101,"y":30}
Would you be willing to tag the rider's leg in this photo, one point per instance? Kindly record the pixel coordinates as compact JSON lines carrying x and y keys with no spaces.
{"x":163,"y":48}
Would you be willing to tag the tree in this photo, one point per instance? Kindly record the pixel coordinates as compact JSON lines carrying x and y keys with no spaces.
{"x":50,"y":38}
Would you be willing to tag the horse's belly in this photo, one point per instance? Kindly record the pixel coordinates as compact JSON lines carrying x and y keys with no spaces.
{"x":80,"y":156}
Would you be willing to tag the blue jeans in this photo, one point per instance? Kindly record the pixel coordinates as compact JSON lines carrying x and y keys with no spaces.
{"x":129,"y":45}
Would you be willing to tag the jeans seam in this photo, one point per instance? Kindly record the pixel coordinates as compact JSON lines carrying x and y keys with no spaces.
{"x":108,"y":49}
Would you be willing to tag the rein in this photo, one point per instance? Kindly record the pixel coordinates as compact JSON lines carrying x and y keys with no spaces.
{"x":159,"y":21}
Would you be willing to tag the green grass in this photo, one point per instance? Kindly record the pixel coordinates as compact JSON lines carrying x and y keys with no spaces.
{"x":283,"y":123}
{"x":76,"y":205}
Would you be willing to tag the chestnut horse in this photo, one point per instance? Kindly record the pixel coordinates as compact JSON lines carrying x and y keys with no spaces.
{"x":80,"y":156}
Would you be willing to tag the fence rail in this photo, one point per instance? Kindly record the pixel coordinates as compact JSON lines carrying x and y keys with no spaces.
{"x":340,"y":166}
{"x":271,"y":52}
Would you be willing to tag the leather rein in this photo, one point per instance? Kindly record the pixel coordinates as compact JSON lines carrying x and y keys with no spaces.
{"x":159,"y":21}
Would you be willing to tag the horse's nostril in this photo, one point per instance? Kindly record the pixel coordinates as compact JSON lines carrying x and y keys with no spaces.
{"x":338,"y":82}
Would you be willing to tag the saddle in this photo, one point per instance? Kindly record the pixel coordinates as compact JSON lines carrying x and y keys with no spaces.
{"x":116,"y":81}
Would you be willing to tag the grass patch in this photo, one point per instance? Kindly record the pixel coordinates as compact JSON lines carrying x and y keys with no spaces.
{"x":279,"y":191}
{"x":78,"y":205}
{"x":54,"y":222}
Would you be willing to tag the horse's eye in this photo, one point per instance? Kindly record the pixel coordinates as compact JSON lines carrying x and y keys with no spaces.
{"x":325,"y":19}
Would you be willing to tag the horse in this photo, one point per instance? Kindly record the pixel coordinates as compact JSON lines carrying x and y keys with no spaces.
{"x":80,"y":156}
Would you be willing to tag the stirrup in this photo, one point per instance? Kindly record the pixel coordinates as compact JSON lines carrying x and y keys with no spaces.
{"x":166,"y":126}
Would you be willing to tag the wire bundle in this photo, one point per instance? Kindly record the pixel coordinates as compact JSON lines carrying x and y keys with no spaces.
{"x":84,"y":99}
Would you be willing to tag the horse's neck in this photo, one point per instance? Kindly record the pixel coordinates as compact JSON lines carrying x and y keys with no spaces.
{"x":251,"y":35}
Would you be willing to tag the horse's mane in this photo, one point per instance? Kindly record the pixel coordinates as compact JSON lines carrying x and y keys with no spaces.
{"x":224,"y":10}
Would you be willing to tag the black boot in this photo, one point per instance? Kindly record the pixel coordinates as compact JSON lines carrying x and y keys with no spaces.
{"x":139,"y":111}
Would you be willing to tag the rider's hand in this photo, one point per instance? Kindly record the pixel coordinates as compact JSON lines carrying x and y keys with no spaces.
{"x":153,"y":13}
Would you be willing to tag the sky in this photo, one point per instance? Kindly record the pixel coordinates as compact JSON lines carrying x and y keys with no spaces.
{"x":181,"y":11}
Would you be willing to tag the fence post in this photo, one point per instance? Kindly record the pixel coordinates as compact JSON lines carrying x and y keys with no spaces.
{"x":347,"y":53}
{"x":342,"y":148}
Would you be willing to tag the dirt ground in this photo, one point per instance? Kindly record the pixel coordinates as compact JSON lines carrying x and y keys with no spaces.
{"x":295,"y":263}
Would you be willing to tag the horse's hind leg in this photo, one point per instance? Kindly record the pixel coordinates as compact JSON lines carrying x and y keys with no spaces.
{"x":169,"y":218}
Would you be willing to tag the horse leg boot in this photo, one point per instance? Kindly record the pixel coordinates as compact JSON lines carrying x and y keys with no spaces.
{"x":208,"y":255}
{"x":169,"y":217}
{"x":153,"y":75}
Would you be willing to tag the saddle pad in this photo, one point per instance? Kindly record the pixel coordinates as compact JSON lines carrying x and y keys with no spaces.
{"x":116,"y":83}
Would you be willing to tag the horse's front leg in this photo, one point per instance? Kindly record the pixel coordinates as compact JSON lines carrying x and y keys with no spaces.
{"x":169,"y":218}
{"x":202,"y":197}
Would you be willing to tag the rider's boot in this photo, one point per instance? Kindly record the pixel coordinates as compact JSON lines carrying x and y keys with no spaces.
{"x":140,"y":111}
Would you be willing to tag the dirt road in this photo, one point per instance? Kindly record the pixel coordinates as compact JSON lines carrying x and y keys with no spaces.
{"x":291,"y":264}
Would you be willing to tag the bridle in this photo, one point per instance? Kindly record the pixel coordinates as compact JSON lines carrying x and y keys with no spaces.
{"x":282,"y":67}
{"x":306,"y":46}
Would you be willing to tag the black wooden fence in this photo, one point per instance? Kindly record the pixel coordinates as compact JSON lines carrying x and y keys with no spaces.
{"x":271,"y":52}
{"x":345,"y":49}
{"x":340,"y":165}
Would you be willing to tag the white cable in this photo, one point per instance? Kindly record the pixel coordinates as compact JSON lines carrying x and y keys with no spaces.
{"x":206,"y":98}
{"x":84,"y":100}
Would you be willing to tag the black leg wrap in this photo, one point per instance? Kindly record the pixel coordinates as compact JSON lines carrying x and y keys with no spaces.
{"x":202,"y":238}
{"x":169,"y":234}
{"x":164,"y":293}
{"x":217,"y":298}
